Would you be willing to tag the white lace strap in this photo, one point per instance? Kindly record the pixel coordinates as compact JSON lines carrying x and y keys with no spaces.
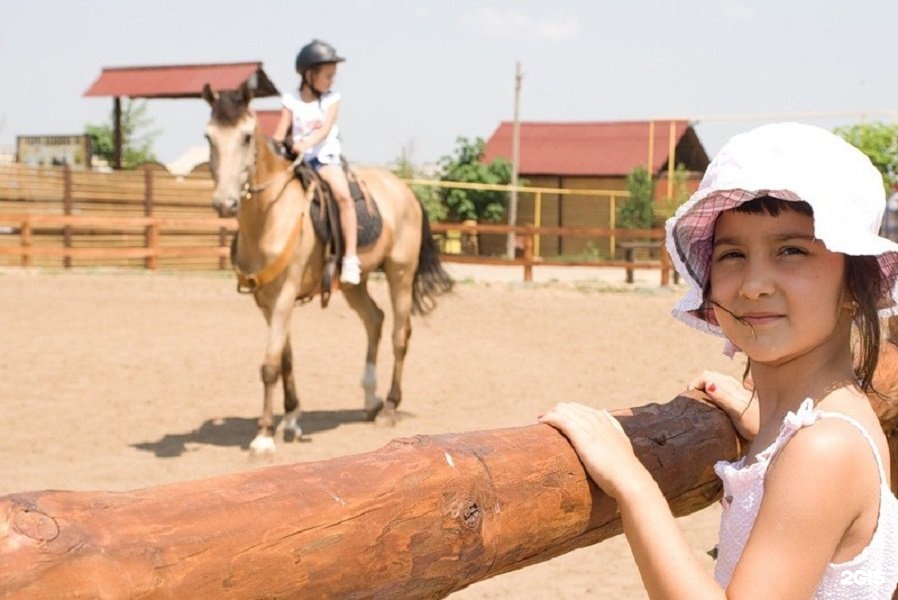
{"x":835,"y":415}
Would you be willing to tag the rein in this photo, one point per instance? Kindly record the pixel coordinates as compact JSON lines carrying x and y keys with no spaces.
{"x":250,"y":282}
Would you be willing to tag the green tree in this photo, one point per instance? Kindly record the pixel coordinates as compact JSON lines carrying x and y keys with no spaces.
{"x":879,"y":141}
{"x":137,"y":137}
{"x":636,"y":212}
{"x":428,"y":196}
{"x":467,"y":166}
{"x":665,"y":207}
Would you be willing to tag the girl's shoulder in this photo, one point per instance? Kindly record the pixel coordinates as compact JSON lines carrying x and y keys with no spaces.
{"x":827,"y":444}
{"x":329,"y":98}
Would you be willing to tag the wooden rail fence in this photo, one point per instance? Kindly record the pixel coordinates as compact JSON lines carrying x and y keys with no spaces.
{"x":51,"y":236}
{"x":152,"y":219}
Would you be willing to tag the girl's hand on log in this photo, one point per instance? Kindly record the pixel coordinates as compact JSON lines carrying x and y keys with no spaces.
{"x":736,"y":399}
{"x":600,"y":442}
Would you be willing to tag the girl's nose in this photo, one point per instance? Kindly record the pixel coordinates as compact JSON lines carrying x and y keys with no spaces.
{"x":757,"y":280}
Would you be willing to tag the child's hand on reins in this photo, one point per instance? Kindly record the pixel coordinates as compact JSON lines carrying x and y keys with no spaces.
{"x":600,"y":441}
{"x":735,"y":398}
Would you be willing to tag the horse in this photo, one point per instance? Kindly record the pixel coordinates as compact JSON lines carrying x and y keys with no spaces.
{"x":280,"y":260}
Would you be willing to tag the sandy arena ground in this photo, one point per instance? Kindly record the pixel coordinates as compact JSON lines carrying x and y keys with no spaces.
{"x":122,"y":380}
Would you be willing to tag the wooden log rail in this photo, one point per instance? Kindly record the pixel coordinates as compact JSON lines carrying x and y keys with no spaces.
{"x":420,"y":518}
{"x":27,"y":225}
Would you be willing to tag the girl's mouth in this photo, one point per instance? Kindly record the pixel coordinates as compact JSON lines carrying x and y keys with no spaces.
{"x":759,"y":319}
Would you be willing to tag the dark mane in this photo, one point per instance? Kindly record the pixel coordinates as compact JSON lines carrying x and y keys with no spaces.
{"x":229,"y":107}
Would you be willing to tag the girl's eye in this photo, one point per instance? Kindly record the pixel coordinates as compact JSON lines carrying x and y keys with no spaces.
{"x":793,"y":251}
{"x":728,"y":255}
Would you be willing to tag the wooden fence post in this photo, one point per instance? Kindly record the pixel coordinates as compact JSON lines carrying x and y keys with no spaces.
{"x":67,"y":202}
{"x":223,"y":242}
{"x":665,"y":265}
{"x":528,"y":255}
{"x":151,"y":233}
{"x":25,"y":233}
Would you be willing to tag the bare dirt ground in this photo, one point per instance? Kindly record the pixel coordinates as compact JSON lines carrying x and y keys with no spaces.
{"x":123,"y":380}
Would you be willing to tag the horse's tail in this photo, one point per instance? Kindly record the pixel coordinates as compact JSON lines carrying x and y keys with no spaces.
{"x":430,"y":277}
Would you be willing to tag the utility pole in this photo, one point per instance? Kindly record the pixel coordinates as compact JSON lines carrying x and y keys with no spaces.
{"x":515,"y":161}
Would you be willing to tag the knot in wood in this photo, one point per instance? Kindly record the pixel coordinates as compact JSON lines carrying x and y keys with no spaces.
{"x":471,"y":514}
{"x":36,"y":525}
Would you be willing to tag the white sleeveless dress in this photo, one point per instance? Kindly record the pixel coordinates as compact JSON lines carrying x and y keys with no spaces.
{"x":872,"y":574}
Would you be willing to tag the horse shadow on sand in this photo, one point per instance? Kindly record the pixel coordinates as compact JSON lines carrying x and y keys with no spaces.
{"x":239,"y":431}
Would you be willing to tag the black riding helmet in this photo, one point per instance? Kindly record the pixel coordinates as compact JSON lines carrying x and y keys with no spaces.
{"x":314,"y":53}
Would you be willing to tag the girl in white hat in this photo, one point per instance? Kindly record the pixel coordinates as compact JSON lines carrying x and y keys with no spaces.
{"x":781,"y":249}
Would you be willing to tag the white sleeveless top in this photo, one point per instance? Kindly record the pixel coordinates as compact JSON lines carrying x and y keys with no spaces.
{"x":872,"y":574}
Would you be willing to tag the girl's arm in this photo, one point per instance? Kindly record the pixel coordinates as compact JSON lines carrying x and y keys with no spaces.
{"x":806,"y":510}
{"x":280,"y":132}
{"x":322,"y":132}
{"x":668,"y":567}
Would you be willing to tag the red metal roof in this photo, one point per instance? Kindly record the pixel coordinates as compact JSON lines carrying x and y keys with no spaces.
{"x":180,"y":81}
{"x":589,"y":148}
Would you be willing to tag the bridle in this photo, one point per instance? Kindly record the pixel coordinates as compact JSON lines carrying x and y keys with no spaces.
{"x":251,"y":282}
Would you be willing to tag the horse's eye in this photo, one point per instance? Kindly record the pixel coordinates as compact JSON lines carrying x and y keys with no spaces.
{"x":247,"y":138}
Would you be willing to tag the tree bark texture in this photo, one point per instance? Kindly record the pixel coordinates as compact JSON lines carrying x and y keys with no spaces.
{"x":420,"y":518}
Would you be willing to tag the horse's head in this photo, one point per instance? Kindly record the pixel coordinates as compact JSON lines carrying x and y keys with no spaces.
{"x":231,"y":133}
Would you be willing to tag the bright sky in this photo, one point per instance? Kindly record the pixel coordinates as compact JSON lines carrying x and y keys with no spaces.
{"x":419,"y":74}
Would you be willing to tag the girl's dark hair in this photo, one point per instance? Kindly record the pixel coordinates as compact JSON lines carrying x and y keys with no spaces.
{"x":863,"y":280}
{"x":865,"y":284}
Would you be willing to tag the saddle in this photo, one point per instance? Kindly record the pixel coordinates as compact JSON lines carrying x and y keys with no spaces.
{"x":325,"y":215}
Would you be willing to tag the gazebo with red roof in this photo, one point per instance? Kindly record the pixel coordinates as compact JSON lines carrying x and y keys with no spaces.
{"x":174,"y":81}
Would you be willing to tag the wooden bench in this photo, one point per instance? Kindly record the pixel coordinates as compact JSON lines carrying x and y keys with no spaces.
{"x":630,"y":255}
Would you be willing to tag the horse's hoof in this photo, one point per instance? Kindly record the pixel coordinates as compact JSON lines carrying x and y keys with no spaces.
{"x":292,"y":430}
{"x":262,"y":444}
{"x":386,"y":418}
{"x":373,"y":407}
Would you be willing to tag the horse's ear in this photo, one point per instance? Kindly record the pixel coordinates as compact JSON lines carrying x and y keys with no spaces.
{"x":246,"y":93}
{"x":208,"y":95}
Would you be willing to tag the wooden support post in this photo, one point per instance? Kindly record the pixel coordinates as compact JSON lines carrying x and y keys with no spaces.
{"x":528,"y":255}
{"x":420,"y":518}
{"x":117,"y":132}
{"x":25,"y":233}
{"x":67,"y":203}
{"x":151,"y":234}
{"x":665,"y":265}
{"x":223,"y":242}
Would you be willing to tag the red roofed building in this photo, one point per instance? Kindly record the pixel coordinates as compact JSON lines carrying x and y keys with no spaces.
{"x":593,"y":156}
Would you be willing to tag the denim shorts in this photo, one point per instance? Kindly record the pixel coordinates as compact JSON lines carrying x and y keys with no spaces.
{"x":316,"y":162}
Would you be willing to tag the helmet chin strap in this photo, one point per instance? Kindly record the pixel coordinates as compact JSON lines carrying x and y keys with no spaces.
{"x":312,"y":87}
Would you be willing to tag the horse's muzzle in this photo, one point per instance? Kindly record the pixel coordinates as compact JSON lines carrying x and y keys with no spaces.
{"x":227,"y":207}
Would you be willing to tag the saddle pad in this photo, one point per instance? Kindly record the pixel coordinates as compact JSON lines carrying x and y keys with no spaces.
{"x":369,"y":224}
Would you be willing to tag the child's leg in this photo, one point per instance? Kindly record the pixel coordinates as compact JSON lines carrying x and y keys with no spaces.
{"x":336,"y":179}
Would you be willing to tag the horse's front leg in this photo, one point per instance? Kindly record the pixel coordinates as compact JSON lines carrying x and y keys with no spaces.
{"x":373,"y":318}
{"x":277,"y":313}
{"x":291,"y":399}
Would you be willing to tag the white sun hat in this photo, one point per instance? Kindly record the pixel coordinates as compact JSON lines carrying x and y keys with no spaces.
{"x":793,"y":162}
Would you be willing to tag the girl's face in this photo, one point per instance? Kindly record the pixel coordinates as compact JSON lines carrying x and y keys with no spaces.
{"x":322,"y":77}
{"x":778,"y":293}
